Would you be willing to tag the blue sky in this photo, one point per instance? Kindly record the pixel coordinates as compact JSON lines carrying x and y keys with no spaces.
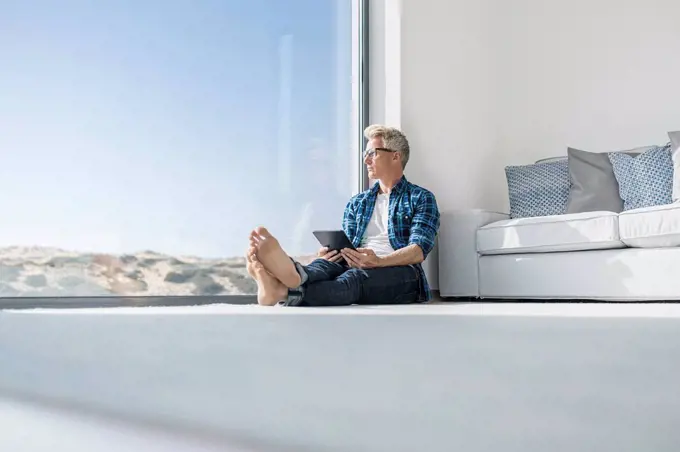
{"x":134,"y":125}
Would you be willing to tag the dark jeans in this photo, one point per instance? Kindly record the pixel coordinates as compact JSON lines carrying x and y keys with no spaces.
{"x":327,"y":283}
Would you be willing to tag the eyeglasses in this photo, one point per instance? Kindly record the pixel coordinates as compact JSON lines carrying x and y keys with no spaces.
{"x":371,"y":152}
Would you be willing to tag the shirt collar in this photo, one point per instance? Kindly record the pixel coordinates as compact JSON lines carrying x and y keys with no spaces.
{"x":396,"y":189}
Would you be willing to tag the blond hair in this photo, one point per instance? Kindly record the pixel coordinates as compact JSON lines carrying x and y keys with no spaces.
{"x":393,"y":138}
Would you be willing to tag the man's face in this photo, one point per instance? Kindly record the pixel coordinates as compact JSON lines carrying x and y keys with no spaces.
{"x":378,"y":160}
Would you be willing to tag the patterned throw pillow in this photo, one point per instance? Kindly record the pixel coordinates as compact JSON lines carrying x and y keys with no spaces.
{"x":538,"y":190}
{"x":645,"y":180}
{"x":675,"y":152}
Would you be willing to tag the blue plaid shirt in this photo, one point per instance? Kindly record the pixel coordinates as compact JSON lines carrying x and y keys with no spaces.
{"x":413,"y":219}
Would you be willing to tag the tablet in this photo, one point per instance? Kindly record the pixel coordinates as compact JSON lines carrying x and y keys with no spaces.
{"x":334,"y":240}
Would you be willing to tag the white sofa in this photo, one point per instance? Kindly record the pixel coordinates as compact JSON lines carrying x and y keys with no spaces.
{"x":629,"y":256}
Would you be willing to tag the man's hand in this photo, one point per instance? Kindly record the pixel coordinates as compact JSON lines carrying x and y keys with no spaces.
{"x":331,"y":256}
{"x":361,"y":258}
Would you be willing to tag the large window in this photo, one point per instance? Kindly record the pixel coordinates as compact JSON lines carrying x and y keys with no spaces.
{"x":141,"y":141}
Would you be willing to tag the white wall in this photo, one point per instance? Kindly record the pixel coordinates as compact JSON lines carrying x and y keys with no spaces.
{"x":602,"y":75}
{"x":481,"y":84}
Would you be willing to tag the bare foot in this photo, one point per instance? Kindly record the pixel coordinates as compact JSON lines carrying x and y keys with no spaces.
{"x":274,"y":259}
{"x":269,"y":289}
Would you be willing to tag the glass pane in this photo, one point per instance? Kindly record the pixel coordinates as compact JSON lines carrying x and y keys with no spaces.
{"x":141,"y":141}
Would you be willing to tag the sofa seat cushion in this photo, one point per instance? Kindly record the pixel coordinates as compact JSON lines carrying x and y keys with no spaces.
{"x":651,"y":227}
{"x":570,"y":232}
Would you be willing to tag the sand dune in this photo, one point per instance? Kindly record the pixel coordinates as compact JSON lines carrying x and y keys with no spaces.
{"x":43,"y":271}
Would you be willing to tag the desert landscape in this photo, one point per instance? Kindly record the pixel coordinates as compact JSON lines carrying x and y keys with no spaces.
{"x":53,"y":272}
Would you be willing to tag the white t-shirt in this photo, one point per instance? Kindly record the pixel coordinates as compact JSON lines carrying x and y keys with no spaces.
{"x":376,"y":237}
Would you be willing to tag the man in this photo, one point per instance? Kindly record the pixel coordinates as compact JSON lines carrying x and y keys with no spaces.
{"x":393,"y":225}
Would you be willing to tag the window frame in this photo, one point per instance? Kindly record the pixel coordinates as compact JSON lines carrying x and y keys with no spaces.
{"x":85,"y":302}
{"x":363,"y":95}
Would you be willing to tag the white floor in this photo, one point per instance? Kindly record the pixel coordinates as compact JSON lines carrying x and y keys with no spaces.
{"x":644,"y":310}
{"x":441,"y":377}
{"x":28,"y":428}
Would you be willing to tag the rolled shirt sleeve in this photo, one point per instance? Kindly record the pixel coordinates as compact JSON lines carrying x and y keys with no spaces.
{"x":349,"y":221}
{"x":425,"y":223}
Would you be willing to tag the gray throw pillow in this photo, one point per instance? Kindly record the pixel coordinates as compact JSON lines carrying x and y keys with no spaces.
{"x":593,"y":184}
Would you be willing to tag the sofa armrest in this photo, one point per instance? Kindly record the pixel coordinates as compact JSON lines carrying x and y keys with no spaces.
{"x":458,"y":257}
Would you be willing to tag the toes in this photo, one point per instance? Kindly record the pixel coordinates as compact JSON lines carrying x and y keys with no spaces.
{"x":251,"y":256}
{"x":254,"y":237}
{"x":262,"y":232}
